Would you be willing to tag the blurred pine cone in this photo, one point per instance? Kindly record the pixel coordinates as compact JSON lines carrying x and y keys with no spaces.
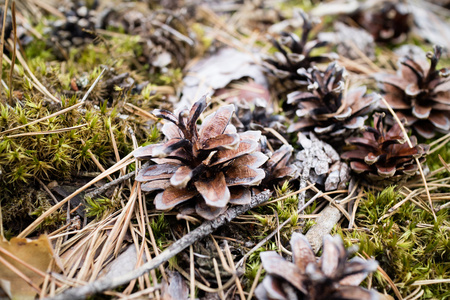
{"x":210,"y":167}
{"x":324,"y":110}
{"x":383,"y":156}
{"x":22,"y":33}
{"x":165,"y":36}
{"x":332,"y":277}
{"x":420,"y":93}
{"x":77,"y":28}
{"x":294,"y":54}
{"x":386,"y":20}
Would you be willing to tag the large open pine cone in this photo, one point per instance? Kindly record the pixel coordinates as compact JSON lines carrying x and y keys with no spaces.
{"x":330,"y":278}
{"x":294,"y":53}
{"x":420,"y":93}
{"x":384,"y":156}
{"x":207,"y":167}
{"x":323,"y":108}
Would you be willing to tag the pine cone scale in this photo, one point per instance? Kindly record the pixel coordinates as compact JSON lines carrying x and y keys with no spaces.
{"x":157,"y":172}
{"x":173,"y":196}
{"x":216,"y":125}
{"x":223,"y":141}
{"x":215,"y":192}
{"x":244,"y":175}
{"x":276,"y":265}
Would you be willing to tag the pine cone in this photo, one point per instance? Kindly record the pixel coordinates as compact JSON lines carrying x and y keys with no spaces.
{"x":383,"y":156}
{"x":210,"y":167}
{"x":277,"y":168}
{"x":323,"y":109}
{"x":332,"y":277}
{"x":254,"y":110}
{"x":420,"y":93}
{"x":78,"y":27}
{"x":165,"y":36}
{"x":319,"y":163}
{"x":294,"y":54}
{"x":22,"y":33}
{"x":386,"y":21}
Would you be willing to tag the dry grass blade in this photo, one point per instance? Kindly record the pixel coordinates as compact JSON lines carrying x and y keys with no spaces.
{"x":13,"y":60}
{"x":386,"y":277}
{"x":255,"y":283}
{"x":269,"y":236}
{"x":42,"y":88}
{"x":59,"y":112}
{"x":2,"y":39}
{"x":233,"y":268}
{"x":431,"y":281}
{"x":116,"y":236}
{"x":447,"y":166}
{"x":219,"y":279}
{"x":139,"y":111}
{"x":44,"y":118}
{"x":46,"y":132}
{"x":20,"y":274}
{"x":405,"y":134}
{"x":123,"y":162}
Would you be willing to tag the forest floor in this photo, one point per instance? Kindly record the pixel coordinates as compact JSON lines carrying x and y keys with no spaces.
{"x":87,"y":84}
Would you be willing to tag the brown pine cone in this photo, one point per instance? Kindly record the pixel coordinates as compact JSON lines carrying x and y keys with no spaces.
{"x":332,"y":277}
{"x":294,"y":53}
{"x":205,"y":168}
{"x":384,"y":156}
{"x":324,"y":110}
{"x":420,"y":93}
{"x":386,"y":20}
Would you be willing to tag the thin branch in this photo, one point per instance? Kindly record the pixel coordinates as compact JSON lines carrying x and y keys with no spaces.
{"x":200,"y":232}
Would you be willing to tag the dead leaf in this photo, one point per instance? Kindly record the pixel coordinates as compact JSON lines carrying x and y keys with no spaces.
{"x":124,"y":263}
{"x":175,"y":289}
{"x":217,"y":71}
{"x":37,"y":253}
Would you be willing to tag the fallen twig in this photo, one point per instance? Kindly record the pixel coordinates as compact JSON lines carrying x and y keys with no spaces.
{"x":200,"y":232}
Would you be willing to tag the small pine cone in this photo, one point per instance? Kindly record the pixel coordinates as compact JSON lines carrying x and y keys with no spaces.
{"x":319,"y":163}
{"x":78,"y":27}
{"x":347,"y":38}
{"x":386,"y":21}
{"x":332,"y":277}
{"x":254,"y":110}
{"x":324,"y":110}
{"x":278,"y":169}
{"x":420,"y":93}
{"x":206,"y":168}
{"x":383,"y":156}
{"x":294,"y":54}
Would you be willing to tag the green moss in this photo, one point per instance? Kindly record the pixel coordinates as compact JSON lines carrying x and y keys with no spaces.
{"x":409,"y":245}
